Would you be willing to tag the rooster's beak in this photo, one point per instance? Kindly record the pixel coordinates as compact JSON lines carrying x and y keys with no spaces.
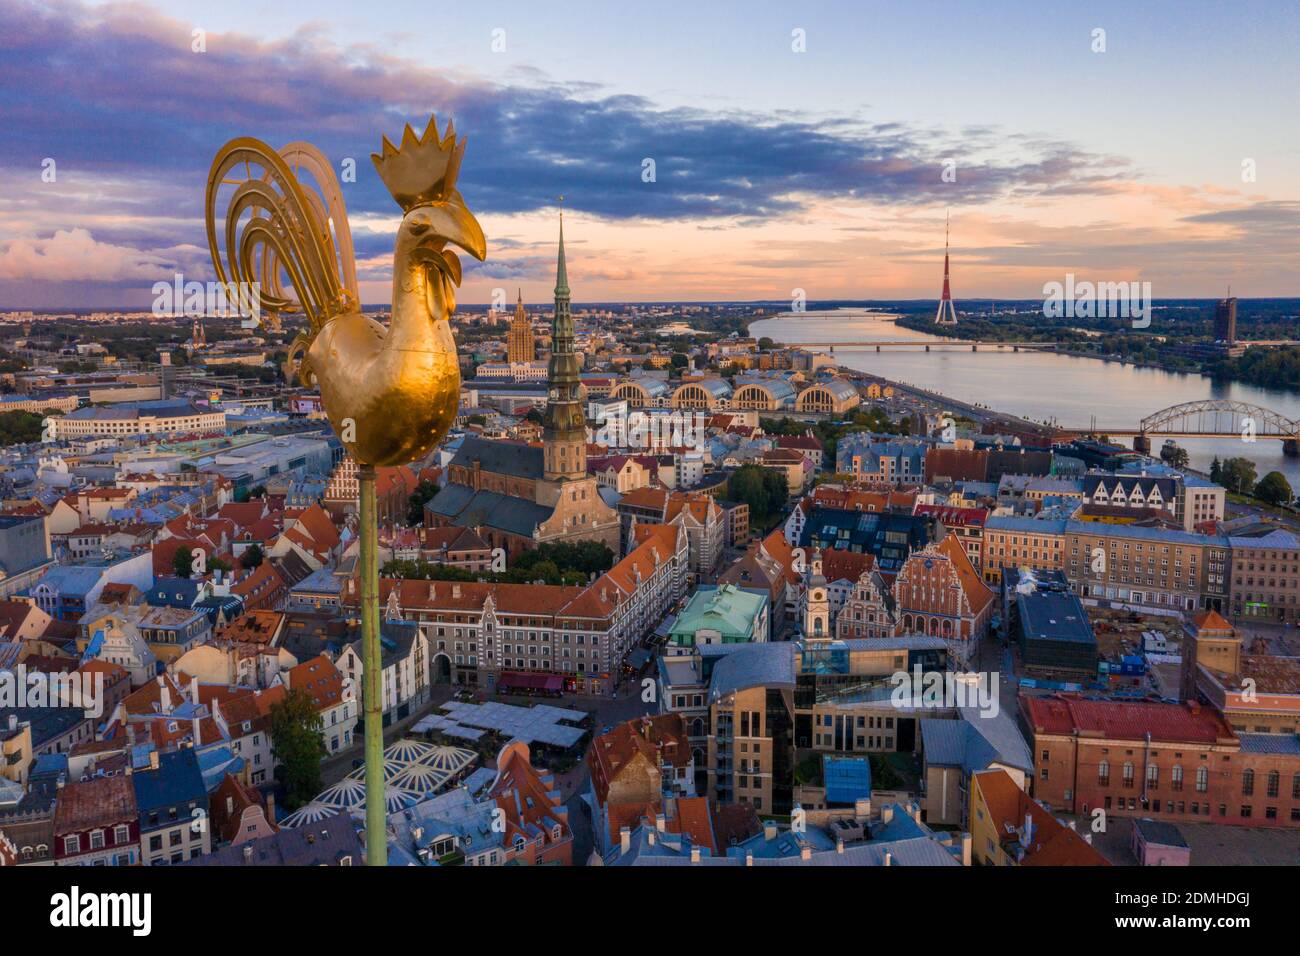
{"x":452,"y":221}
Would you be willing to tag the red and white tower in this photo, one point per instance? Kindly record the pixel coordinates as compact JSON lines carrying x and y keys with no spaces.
{"x":947,"y":312}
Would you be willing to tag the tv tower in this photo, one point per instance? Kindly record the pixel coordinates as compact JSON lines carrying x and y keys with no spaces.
{"x":945,"y":303}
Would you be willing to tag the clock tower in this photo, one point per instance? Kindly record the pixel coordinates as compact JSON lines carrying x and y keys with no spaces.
{"x":564,"y":439}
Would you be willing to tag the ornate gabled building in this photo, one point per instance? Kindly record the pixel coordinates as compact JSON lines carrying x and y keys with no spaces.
{"x":521,"y":347}
{"x":868,"y":611}
{"x":518,"y":495}
{"x":939,"y":593}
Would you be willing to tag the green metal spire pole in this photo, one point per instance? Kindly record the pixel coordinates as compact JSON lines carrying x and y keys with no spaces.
{"x":372,"y":675}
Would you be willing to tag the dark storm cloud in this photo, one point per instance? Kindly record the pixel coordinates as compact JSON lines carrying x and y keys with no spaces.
{"x":116,"y":93}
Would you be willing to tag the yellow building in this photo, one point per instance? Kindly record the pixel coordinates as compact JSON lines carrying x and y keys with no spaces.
{"x":521,"y":346}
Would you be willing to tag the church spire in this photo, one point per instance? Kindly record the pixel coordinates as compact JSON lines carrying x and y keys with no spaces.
{"x":561,"y":272}
{"x":564,"y":435}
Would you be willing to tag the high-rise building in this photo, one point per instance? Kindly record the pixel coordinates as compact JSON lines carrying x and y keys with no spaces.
{"x":565,"y":435}
{"x":520,"y":345}
{"x":1225,"y":320}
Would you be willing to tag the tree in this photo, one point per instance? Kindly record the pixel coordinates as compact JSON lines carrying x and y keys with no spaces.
{"x":1238,"y":475}
{"x":1216,"y":471}
{"x":19,"y":428}
{"x":679,"y":360}
{"x":765,"y":344}
{"x":253,"y":556}
{"x":299,"y":747}
{"x":415,"y":510}
{"x":1175,"y":456}
{"x":1274,"y":488}
{"x":183,"y":562}
{"x":765,"y":490}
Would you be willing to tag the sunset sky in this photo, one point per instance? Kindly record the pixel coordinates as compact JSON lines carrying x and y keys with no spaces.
{"x":820,"y":170}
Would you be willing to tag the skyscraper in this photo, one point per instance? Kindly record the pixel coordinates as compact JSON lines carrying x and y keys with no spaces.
{"x":945,"y":303}
{"x":521,"y":346}
{"x":565,"y":435}
{"x":1225,"y":321}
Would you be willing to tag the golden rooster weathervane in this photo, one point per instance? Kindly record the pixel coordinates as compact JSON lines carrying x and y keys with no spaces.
{"x":390,"y":393}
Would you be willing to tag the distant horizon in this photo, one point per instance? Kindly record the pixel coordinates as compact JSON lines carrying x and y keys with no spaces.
{"x":813,"y":305}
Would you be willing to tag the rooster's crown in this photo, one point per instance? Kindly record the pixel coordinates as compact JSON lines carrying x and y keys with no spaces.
{"x":422,"y":170}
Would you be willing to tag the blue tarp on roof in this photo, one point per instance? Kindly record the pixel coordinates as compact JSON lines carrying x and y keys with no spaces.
{"x":848,"y":779}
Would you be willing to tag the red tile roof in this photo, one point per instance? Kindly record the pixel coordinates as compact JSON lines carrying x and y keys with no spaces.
{"x":1051,"y":843}
{"x":90,"y":804}
{"x":1126,"y":720}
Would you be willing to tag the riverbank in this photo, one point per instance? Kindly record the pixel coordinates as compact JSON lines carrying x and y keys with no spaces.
{"x":1063,"y":391}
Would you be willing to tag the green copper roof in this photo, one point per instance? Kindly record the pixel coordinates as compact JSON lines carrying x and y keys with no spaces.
{"x":561,"y":273}
{"x":727,"y":609}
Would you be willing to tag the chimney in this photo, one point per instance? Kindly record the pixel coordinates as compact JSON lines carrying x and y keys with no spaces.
{"x":749,"y":858}
{"x":624,"y":839}
{"x":805,"y":852}
{"x":889,"y":858}
{"x":164,"y":694}
{"x":13,"y":721}
{"x":661,"y":822}
{"x":270,"y":807}
{"x":248,"y":852}
{"x":965,"y":849}
{"x":197,"y":738}
{"x":153,"y":760}
{"x":1027,"y":834}
{"x":194,"y":691}
{"x":230,"y":805}
{"x":769,"y":831}
{"x":839,"y":845}
{"x":695,"y":854}
{"x":887,"y":814}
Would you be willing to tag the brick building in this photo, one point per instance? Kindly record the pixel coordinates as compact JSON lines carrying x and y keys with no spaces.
{"x":1171,"y":762}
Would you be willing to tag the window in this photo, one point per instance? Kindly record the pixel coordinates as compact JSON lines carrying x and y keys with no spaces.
{"x":1202,"y":780}
{"x":1247,"y":783}
{"x":1103,"y":773}
{"x":1274,"y":783}
{"x":1128,"y":774}
{"x":1176,"y":777}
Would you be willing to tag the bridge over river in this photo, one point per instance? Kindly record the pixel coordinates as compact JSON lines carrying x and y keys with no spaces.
{"x":1210,"y":418}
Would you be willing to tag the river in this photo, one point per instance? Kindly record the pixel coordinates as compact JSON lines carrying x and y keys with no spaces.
{"x":1042,"y":386}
